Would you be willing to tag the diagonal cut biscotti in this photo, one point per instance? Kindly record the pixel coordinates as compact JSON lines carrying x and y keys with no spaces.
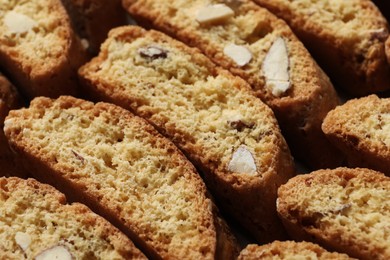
{"x":346,"y":38}
{"x":123,"y":169}
{"x":361,"y":129}
{"x":212,"y":116}
{"x":345,"y":210}
{"x":257,"y":46}
{"x":9,"y":99}
{"x":38,"y":48}
{"x":93,"y":19}
{"x":36,"y":223}
{"x":280,"y":250}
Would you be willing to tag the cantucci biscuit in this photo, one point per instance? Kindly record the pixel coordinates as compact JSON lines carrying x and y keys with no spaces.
{"x":361,"y":129}
{"x":93,"y":20}
{"x":36,"y":223}
{"x":346,"y":38}
{"x":123,"y":169}
{"x":344,"y":210}
{"x":279,"y":250}
{"x":9,"y":99}
{"x":257,"y":46}
{"x":38,"y":48}
{"x":212,"y":116}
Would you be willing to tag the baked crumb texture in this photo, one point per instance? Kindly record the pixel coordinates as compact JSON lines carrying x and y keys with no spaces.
{"x":212,"y":116}
{"x":300,"y":96}
{"x":361,"y":129}
{"x":346,"y":37}
{"x":280,"y":250}
{"x":36,"y":219}
{"x":345,"y":210}
{"x":9,"y":99}
{"x":38,"y":48}
{"x":122,"y":168}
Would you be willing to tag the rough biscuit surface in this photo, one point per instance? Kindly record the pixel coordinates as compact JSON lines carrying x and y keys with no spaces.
{"x":300,"y":109}
{"x":9,"y":99}
{"x":361,"y":129}
{"x":35,"y":219}
{"x":122,"y":168}
{"x":345,"y":210}
{"x":38,"y":48}
{"x":211,"y":115}
{"x":278,"y":250}
{"x":346,"y":37}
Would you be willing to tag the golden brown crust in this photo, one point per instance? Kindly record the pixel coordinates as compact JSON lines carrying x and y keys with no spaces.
{"x":51,"y":40}
{"x":163,"y":208}
{"x":209,"y":150}
{"x":359,"y":128}
{"x":346,"y":38}
{"x":77,"y":228}
{"x":300,"y":110}
{"x":344,"y":210}
{"x":288,"y":250}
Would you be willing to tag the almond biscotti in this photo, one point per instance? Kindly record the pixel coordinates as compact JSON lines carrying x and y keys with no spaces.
{"x":36,"y":223}
{"x":93,"y":19}
{"x":38,"y":48}
{"x":361,"y":129}
{"x":123,"y":169}
{"x":288,"y":250}
{"x":346,"y":210}
{"x":255,"y":45}
{"x":9,"y":99}
{"x":212,"y":116}
{"x":346,"y":38}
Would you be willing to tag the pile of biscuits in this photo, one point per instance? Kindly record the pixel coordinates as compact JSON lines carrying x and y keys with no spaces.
{"x":197,"y":112}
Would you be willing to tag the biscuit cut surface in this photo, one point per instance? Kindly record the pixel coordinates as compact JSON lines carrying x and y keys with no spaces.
{"x":361,"y":129}
{"x":346,"y":37}
{"x":345,"y":210}
{"x":211,"y":115}
{"x":35,"y":219}
{"x":35,"y":31}
{"x":288,"y":250}
{"x":122,"y":168}
{"x":279,"y":68}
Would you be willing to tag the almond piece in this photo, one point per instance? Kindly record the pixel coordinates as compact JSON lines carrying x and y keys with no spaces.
{"x":240,"y":54}
{"x":242,"y":161}
{"x":275,"y":68}
{"x":153,"y":52}
{"x":56,"y":252}
{"x":18,"y":23}
{"x":214,"y":14}
{"x":23,"y":240}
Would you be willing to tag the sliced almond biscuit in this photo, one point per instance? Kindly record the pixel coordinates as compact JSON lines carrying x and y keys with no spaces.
{"x":344,"y":210}
{"x":37,"y":223}
{"x":346,"y":37}
{"x":279,"y":250}
{"x":212,"y":116}
{"x":38,"y":48}
{"x":260,"y":48}
{"x":121,"y":167}
{"x":361,"y":130}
